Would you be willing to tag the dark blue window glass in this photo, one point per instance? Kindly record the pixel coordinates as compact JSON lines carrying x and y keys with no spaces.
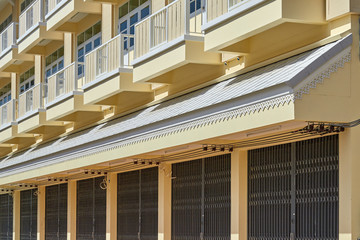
{"x":81,"y":52}
{"x":48,"y":73}
{"x":97,"y":42}
{"x":88,"y":47}
{"x":198,"y":4}
{"x":54,"y":69}
{"x":80,"y":70}
{"x":123,"y":26}
{"x":192,"y":7}
{"x":61,"y":65}
{"x":145,"y":12}
{"x":133,"y":19}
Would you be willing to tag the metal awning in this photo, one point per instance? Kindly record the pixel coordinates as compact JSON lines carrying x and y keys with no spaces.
{"x":277,"y":83}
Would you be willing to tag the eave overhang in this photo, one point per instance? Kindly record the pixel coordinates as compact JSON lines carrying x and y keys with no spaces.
{"x":274,"y":87}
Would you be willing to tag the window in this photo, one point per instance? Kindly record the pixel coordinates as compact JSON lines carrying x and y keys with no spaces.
{"x":5,"y":23}
{"x":27,"y":80}
{"x":195,"y":5}
{"x":86,"y":42}
{"x":47,"y":6}
{"x":25,"y":4}
{"x":54,"y":63}
{"x":5,"y":94}
{"x":129,"y":14}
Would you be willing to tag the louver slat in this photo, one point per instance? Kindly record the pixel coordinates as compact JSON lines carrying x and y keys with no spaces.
{"x":28,"y":215}
{"x":6,"y":217}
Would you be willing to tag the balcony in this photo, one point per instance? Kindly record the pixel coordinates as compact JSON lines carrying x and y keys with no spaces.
{"x":6,"y":129}
{"x":65,"y":99}
{"x":108,"y":77}
{"x":7,"y":114}
{"x":32,"y":30}
{"x":8,"y":48}
{"x":276,"y":24}
{"x":169,"y":48}
{"x":64,"y":15}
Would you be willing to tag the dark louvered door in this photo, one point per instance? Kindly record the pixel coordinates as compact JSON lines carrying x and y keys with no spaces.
{"x":138,"y":205}
{"x":91,"y":210}
{"x":186,"y":200}
{"x":201,"y":199}
{"x":217,"y":197}
{"x":6,"y":217}
{"x":99,"y":210}
{"x":293,"y":191}
{"x":269,"y":196}
{"x":128,"y":205}
{"x":56,"y":212}
{"x":28,"y":214}
{"x":317,"y":189}
{"x":149,"y":204}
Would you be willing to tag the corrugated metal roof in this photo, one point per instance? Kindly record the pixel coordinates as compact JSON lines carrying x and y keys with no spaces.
{"x":290,"y":71}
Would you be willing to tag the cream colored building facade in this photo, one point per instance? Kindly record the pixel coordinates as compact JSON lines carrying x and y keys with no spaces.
{"x":184,"y":119}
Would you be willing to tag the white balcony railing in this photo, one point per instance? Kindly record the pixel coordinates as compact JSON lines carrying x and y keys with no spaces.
{"x":217,"y":8}
{"x":110,"y":56}
{"x":166,"y":25}
{"x":30,"y":100}
{"x":63,"y":82}
{"x":7,"y":38}
{"x":51,"y":5}
{"x":7,"y":113}
{"x":30,"y":17}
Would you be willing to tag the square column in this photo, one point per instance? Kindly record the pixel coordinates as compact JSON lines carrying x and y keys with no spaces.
{"x":41,"y":213}
{"x":111,"y":207}
{"x":164,"y":202}
{"x":107,"y":22}
{"x":16,"y":215}
{"x":71,"y":211}
{"x":68,"y":49}
{"x":349,"y":179}
{"x":239,"y":195}
{"x":39,"y":68}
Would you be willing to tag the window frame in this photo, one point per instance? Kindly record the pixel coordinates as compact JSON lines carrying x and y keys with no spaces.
{"x":54,"y":63}
{"x":127,"y":18}
{"x":83,"y":45}
{"x":26,"y":6}
{"x":30,"y":80}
